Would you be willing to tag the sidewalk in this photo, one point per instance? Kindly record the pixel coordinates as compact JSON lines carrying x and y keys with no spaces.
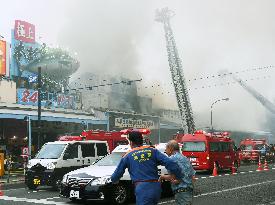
{"x":15,"y":177}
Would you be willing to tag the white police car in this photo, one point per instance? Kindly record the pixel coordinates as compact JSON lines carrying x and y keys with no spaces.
{"x":91,"y":183}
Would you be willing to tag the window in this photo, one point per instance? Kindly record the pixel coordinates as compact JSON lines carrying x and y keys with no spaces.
{"x":193,"y":146}
{"x":111,"y":159}
{"x":88,"y":149}
{"x":224,"y":146}
{"x":50,"y":151}
{"x":219,"y":146}
{"x":248,"y":147}
{"x":101,"y":149}
{"x":72,"y":151}
{"x":214,"y":146}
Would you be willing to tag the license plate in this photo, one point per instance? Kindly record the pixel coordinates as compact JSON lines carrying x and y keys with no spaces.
{"x":74,"y":194}
{"x":192,"y":159}
{"x":36,"y":181}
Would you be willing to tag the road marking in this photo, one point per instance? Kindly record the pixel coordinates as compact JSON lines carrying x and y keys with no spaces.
{"x":250,"y":171}
{"x":227,"y":174}
{"x":35,"y":201}
{"x":165,"y":202}
{"x":5,"y":190}
{"x":235,"y":188}
{"x":56,"y":197}
{"x":225,"y":190}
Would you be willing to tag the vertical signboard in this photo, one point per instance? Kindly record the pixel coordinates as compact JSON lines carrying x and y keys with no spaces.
{"x":24,"y":31}
{"x":24,"y":49}
{"x":3,"y":57}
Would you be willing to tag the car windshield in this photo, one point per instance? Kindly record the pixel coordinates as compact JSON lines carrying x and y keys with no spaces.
{"x":110,"y":160}
{"x":50,"y":151}
{"x":248,"y":147}
{"x":193,"y":146}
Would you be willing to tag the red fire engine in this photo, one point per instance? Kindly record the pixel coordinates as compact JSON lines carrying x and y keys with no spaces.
{"x":250,"y":149}
{"x":113,"y":138}
{"x":204,"y":149}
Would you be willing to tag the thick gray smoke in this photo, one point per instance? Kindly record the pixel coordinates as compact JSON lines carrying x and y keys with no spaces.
{"x":121,"y":37}
{"x":105,"y":34}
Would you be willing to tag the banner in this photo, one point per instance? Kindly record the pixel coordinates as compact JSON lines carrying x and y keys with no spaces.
{"x":24,"y":31}
{"x":48,"y":100}
{"x":3,"y":57}
{"x":127,"y":120}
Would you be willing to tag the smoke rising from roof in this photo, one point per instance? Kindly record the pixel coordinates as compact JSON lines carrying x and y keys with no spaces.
{"x":122,"y":37}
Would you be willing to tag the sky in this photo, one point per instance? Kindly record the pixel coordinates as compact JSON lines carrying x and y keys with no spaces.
{"x":212,"y":37}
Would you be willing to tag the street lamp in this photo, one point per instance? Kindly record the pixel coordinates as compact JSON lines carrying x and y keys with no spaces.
{"x":211,"y":120}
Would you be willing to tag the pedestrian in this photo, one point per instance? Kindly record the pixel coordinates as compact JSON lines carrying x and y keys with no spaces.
{"x":182,"y":187}
{"x":263,"y":152}
{"x":142,"y":163}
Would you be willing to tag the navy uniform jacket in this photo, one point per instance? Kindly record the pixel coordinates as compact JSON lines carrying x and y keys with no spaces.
{"x":142,"y":164}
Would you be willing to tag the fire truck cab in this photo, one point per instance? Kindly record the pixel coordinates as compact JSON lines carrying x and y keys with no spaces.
{"x":250,"y":149}
{"x":113,"y":138}
{"x":204,"y":149}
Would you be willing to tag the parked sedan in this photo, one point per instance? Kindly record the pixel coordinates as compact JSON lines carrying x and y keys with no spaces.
{"x":91,"y":183}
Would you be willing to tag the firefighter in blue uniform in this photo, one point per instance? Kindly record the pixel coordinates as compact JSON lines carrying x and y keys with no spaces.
{"x":142,"y":162}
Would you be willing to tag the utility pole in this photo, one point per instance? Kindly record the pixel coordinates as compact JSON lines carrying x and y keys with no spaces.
{"x":176,"y":70}
{"x":30,"y":137}
{"x":39,"y":108}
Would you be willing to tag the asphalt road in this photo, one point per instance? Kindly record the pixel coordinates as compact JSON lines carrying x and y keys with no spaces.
{"x":247,"y":187}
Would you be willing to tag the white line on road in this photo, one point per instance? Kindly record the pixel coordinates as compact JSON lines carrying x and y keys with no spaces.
{"x":57,"y":197}
{"x":166,"y":202}
{"x":235,"y":188}
{"x":225,"y":190}
{"x":35,"y":201}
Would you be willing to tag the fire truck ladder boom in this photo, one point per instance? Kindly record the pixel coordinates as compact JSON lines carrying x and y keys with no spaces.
{"x":265,"y":102}
{"x":175,"y":65}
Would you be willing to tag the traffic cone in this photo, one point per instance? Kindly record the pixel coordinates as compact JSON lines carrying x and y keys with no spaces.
{"x":1,"y":191}
{"x":265,"y":166}
{"x":260,"y":168}
{"x":233,"y":169}
{"x":215,"y":171}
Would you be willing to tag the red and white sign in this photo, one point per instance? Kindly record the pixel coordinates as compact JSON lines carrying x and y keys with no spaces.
{"x":24,"y":31}
{"x":25,"y":151}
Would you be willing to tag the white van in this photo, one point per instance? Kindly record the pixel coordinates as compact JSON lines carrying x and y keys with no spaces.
{"x":60,"y":157}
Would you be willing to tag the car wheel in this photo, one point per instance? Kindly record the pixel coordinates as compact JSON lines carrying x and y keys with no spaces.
{"x":32,"y":186}
{"x":120,"y":194}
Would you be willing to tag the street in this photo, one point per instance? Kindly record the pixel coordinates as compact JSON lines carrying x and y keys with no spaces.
{"x":247,"y":187}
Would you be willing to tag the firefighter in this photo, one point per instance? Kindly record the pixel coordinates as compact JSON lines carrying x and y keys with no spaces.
{"x":142,"y":162}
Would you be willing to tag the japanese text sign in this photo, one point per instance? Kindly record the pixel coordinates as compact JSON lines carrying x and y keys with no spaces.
{"x":24,"y":31}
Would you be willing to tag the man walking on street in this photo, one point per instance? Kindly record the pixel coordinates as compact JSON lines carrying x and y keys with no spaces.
{"x":183,"y":186}
{"x":142,"y":162}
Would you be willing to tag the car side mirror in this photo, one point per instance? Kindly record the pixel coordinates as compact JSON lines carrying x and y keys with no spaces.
{"x":66,"y":156}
